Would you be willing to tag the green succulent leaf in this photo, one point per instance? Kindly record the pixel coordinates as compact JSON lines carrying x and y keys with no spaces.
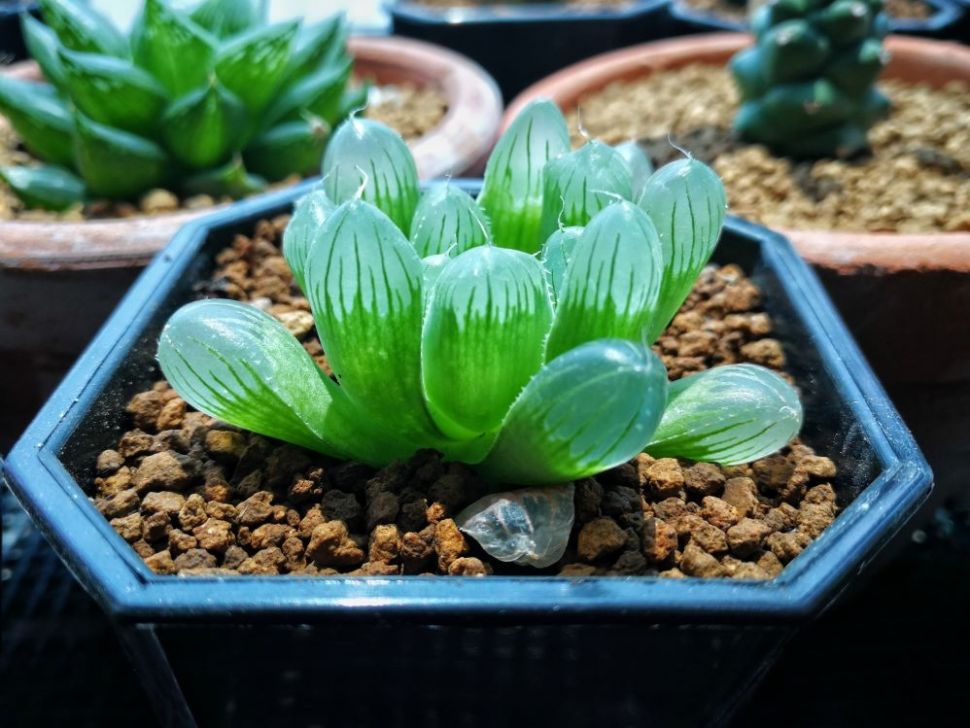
{"x":320,"y":93}
{"x":46,"y":186}
{"x":368,"y":154}
{"x":309,"y":214}
{"x":229,"y":180}
{"x":43,"y":46}
{"x":225,"y":18}
{"x":556,"y":254}
{"x":318,"y":46}
{"x":172,"y":48}
{"x":612,"y":283}
{"x":579,"y":184}
{"x":40,"y":117}
{"x":364,"y":287}
{"x":431,"y":267}
{"x":484,"y":338}
{"x":200,"y":129}
{"x":252,"y":64}
{"x":513,"y":186}
{"x":112,"y":90}
{"x":586,"y":411}
{"x":729,"y":415}
{"x":115,"y":163}
{"x":687,"y":203}
{"x":448,"y":220}
{"x":639,"y":164}
{"x":293,"y":147}
{"x":82,"y":28}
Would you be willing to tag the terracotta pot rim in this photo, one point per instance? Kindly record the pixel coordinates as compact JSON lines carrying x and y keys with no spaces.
{"x":461,"y":140}
{"x":844,"y":251}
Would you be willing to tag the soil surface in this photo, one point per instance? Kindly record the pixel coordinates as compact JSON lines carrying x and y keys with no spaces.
{"x":915,"y":180}
{"x":738,"y":12}
{"x":196,"y":496}
{"x":410,"y":110}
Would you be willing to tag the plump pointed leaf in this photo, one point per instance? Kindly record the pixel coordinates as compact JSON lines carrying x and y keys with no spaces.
{"x":579,"y":184}
{"x":484,"y":337}
{"x":202,"y":127}
{"x":639,"y":163}
{"x":448,"y":220}
{"x":528,"y":526}
{"x":307,"y":220}
{"x":431,"y":267}
{"x":252,"y":64}
{"x":43,"y":46}
{"x":613,"y":281}
{"x":365,"y":150}
{"x":729,"y":415}
{"x":293,"y":147}
{"x":364,"y":286}
{"x":225,"y":18}
{"x":512,"y":191}
{"x":686,"y":201}
{"x":82,"y":28}
{"x":40,"y":117}
{"x":115,"y":163}
{"x":112,"y":90}
{"x":318,"y":46}
{"x":556,"y":255}
{"x":46,"y":187}
{"x":229,"y":180}
{"x":319,"y":93}
{"x":588,"y":410}
{"x":171,"y":47}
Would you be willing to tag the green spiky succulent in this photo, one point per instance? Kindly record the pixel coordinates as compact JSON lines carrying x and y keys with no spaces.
{"x":209,"y":100}
{"x":462,"y":326}
{"x":808,"y":85}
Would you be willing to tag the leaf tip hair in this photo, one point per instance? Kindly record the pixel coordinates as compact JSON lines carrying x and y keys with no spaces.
{"x":682,"y":150}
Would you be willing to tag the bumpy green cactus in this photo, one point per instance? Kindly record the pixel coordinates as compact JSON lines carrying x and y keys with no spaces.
{"x":207,"y":100}
{"x":807,"y":86}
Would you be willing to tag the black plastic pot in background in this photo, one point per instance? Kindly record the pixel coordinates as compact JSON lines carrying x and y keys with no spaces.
{"x":503,"y":650}
{"x":11,"y":39}
{"x":944,"y":23}
{"x":520,"y":43}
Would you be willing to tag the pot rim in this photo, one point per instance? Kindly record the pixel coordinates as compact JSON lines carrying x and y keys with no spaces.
{"x":118,"y":578}
{"x":843,"y":251}
{"x":461,"y":140}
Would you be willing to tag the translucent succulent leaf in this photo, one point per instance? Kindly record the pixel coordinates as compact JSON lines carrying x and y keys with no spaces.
{"x":112,"y":90}
{"x":729,"y":415}
{"x":116,"y":163}
{"x":431,"y":267}
{"x":228,"y":180}
{"x":47,"y":187}
{"x":580,"y":184}
{"x":686,"y":201}
{"x":171,"y":47}
{"x":512,"y":190}
{"x":225,"y":18}
{"x":556,"y":255}
{"x":251,"y":64}
{"x":639,"y":163}
{"x":82,"y":28}
{"x":586,"y":411}
{"x":613,"y":281}
{"x":319,"y":93}
{"x":40,"y":117}
{"x":43,"y":46}
{"x":293,"y":147}
{"x":367,"y":153}
{"x":529,"y":526}
{"x":364,"y":286}
{"x":316,"y":46}
{"x":307,"y":220}
{"x":448,"y":220}
{"x":234,"y":362}
{"x":202,"y":127}
{"x":484,"y":337}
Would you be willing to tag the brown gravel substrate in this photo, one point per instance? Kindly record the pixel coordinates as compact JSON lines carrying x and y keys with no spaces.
{"x":903,"y":9}
{"x":410,"y":110}
{"x":916,"y":180}
{"x":196,"y":496}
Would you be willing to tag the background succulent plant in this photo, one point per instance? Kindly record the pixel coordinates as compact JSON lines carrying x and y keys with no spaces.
{"x":525,"y":355}
{"x":208,"y":100}
{"x":807,"y":86}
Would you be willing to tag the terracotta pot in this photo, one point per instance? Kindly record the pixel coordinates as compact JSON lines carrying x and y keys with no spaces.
{"x":60,"y":280}
{"x":906,"y":297}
